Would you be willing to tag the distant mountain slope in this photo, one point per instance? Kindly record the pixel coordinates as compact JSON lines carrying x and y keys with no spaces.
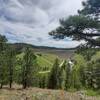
{"x":60,"y":52}
{"x":22,"y":45}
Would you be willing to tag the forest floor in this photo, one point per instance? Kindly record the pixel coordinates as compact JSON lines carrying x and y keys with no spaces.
{"x":42,"y":94}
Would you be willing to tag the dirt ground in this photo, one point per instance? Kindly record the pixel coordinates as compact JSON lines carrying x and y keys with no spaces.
{"x":41,"y":94}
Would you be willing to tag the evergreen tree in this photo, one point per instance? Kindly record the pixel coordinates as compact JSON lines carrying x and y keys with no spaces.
{"x":28,"y":68}
{"x":83,"y":26}
{"x":93,"y":72}
{"x":78,"y":72}
{"x":11,"y":59}
{"x":91,"y":7}
{"x":3,"y":70}
{"x":53,"y":82}
{"x":3,"y":41}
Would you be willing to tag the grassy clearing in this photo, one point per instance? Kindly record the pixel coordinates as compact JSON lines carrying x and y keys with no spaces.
{"x":43,"y":60}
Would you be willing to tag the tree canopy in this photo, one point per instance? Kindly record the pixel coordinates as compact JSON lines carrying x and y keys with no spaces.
{"x":90,"y":7}
{"x":83,"y":26}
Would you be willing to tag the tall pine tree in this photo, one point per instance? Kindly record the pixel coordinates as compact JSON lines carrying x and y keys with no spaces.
{"x":3,"y":70}
{"x":28,"y":68}
{"x":11,"y":64}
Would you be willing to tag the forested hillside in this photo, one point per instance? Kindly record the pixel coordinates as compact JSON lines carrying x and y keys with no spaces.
{"x":29,"y":72}
{"x":47,"y":71}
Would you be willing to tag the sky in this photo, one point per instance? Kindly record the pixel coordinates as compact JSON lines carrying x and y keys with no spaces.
{"x":29,"y":21}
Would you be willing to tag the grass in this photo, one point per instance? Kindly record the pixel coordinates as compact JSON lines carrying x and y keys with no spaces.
{"x":46,"y":60}
{"x":43,"y":60}
{"x":88,"y":92}
{"x":50,"y":57}
{"x":91,"y":92}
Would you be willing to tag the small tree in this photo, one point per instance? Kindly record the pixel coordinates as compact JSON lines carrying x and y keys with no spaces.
{"x":78,"y":72}
{"x":28,"y":68}
{"x":62,"y":75}
{"x":3,"y":41}
{"x":68,"y":76}
{"x":54,"y":76}
{"x":93,"y":72}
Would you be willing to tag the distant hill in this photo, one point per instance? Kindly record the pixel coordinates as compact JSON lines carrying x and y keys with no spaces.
{"x":23,"y":45}
{"x":60,"y":52}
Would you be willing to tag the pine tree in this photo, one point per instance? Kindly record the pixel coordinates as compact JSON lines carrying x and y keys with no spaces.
{"x":3,"y":70}
{"x":28,"y":68}
{"x":77,"y":74}
{"x":93,"y":72}
{"x":3,"y":41}
{"x":53,"y":82}
{"x":10,"y":60}
{"x":84,"y":26}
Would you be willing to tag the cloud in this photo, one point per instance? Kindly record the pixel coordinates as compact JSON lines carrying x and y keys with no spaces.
{"x":30,"y":20}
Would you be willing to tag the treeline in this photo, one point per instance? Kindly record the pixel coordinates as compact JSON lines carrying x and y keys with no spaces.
{"x":81,"y":71}
{"x":77,"y":73}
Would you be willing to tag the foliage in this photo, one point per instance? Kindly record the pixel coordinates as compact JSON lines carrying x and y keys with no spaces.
{"x":79,"y":68}
{"x":43,"y":79}
{"x":62,"y":75}
{"x":93,"y":78}
{"x":53,"y":82}
{"x":31,"y":69}
{"x":81,"y":27}
{"x":91,"y":92}
{"x":90,"y":7}
{"x":11,"y":62}
{"x":3,"y":70}
{"x":3,"y":40}
{"x":87,"y":53}
{"x":28,"y":68}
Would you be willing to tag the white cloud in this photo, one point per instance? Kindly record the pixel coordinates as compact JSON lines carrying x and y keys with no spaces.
{"x":30,"y":20}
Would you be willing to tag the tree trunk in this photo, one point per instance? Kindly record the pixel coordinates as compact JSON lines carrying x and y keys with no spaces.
{"x":1,"y":86}
{"x":10,"y":84}
{"x":24,"y":85}
{"x":11,"y":75}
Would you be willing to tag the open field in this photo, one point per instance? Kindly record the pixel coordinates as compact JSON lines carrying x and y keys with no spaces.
{"x":65,"y":54}
{"x":41,"y":94}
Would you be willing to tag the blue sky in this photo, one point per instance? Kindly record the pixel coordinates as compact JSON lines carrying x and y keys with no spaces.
{"x":30,"y":21}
